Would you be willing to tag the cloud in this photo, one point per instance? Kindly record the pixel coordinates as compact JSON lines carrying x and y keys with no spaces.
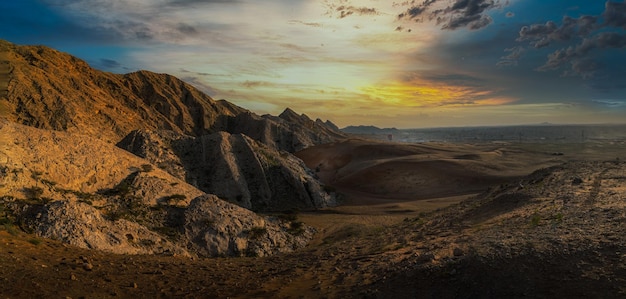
{"x":614,"y":14}
{"x":587,"y":36}
{"x":577,"y":56}
{"x":470,"y":14}
{"x":193,"y":3}
{"x":186,"y":29}
{"x":311,"y":24}
{"x":611,"y":103}
{"x":514,"y":56}
{"x":346,"y":11}
{"x":109,"y":63}
{"x":541,"y":35}
{"x":255,"y":84}
{"x":510,"y":14}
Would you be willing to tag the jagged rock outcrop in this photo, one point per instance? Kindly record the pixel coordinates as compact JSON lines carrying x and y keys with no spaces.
{"x":89,"y":193}
{"x":82,"y":225}
{"x":234,"y":167}
{"x":53,"y":90}
{"x":214,"y":228}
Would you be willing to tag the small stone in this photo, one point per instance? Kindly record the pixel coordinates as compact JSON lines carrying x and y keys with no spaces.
{"x":73,"y":277}
{"x":457,"y":251}
{"x":134,"y":285}
{"x":87,"y":266}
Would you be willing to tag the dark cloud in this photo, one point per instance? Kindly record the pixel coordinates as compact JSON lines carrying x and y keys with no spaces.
{"x":510,"y":14}
{"x":614,"y":14}
{"x":469,"y":14}
{"x":345,"y":11}
{"x":109,"y":63}
{"x":587,"y":36}
{"x":578,"y":56}
{"x":186,"y":29}
{"x":200,"y":85}
{"x":513,"y":57}
{"x":541,"y":35}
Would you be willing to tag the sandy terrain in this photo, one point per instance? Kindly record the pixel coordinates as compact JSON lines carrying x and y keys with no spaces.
{"x":374,"y":171}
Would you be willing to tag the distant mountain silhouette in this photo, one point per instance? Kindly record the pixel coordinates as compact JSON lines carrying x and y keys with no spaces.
{"x":368,"y":130}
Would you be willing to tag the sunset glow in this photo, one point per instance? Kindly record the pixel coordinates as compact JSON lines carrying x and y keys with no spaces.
{"x":357,"y":62}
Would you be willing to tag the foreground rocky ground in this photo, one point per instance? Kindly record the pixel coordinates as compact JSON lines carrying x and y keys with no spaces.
{"x":556,"y":233}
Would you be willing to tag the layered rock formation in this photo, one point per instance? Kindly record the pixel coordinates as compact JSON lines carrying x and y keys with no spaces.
{"x":234,"y":167}
{"x":89,"y":193}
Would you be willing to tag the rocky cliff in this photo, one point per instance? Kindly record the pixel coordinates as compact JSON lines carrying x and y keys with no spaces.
{"x":89,"y":193}
{"x":234,"y":167}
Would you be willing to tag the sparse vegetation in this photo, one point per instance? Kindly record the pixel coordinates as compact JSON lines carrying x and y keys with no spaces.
{"x":34,"y":241}
{"x":174,"y":199}
{"x":257,"y":232}
{"x":49,"y":183}
{"x":296,"y":228}
{"x":33,"y":192}
{"x":147,"y":167}
{"x":535,"y":220}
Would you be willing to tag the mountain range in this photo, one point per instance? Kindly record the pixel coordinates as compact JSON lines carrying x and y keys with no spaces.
{"x":139,"y":150}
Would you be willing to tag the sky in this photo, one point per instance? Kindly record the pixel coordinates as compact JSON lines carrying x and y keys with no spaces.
{"x":403,"y":64}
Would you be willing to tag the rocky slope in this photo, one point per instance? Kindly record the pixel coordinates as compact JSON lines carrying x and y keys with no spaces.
{"x":234,"y":167}
{"x":53,"y":90}
{"x":86,"y":192}
{"x":557,"y":233}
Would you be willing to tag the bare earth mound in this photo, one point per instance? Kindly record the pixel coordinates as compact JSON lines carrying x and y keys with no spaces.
{"x":400,"y":171}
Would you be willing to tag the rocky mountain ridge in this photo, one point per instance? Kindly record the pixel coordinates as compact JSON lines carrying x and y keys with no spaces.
{"x":63,"y":178}
{"x":49,"y":89}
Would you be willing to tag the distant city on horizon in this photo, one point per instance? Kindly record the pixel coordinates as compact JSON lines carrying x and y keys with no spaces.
{"x":545,"y":132}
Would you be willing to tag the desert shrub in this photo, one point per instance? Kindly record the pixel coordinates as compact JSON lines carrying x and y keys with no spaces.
{"x":535,"y":220}
{"x":147,"y":167}
{"x":174,"y":198}
{"x":48,"y":182}
{"x":34,"y":241}
{"x":11,"y":229}
{"x":33,"y":192}
{"x":296,"y":228}
{"x":257,"y":232}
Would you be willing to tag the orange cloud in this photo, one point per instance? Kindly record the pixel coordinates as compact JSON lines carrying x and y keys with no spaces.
{"x":424,"y":93}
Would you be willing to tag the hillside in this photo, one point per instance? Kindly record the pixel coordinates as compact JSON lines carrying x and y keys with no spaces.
{"x":234,"y":167}
{"x":363,"y":168}
{"x":49,"y":89}
{"x":554,"y":233}
{"x":91,"y":194}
